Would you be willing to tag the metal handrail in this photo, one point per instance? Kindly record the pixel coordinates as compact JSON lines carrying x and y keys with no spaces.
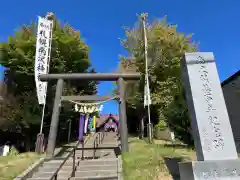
{"x":72,"y":152}
{"x":98,"y":140}
{"x":83,"y":146}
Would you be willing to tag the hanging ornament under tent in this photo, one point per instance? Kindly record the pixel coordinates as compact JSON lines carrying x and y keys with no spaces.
{"x":85,"y":109}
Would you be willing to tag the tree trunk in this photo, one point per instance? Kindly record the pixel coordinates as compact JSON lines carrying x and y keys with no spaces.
{"x":141,"y":116}
{"x":27,"y":144}
{"x":142,"y":127}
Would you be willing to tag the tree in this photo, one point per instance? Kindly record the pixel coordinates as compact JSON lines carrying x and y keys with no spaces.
{"x":166,"y":47}
{"x":177,"y":116}
{"x":68,"y":54}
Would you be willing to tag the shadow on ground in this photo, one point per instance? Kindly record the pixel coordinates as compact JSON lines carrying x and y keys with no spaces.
{"x":63,"y":150}
{"x":173,"y":167}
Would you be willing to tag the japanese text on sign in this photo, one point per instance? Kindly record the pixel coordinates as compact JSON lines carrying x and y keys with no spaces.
{"x":214,"y":121}
{"x":42,"y":56}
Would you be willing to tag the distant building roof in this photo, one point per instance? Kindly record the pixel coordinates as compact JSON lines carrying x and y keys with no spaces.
{"x":231,"y":78}
{"x":103,"y":118}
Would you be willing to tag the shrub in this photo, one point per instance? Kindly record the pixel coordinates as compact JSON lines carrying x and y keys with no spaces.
{"x":178,"y":120}
{"x":13,"y":151}
{"x":161,"y":125}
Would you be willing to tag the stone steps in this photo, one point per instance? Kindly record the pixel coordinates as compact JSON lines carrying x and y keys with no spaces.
{"x":95,"y":178}
{"x":87,"y":173}
{"x":105,"y":167}
{"x":64,"y":174}
{"x":42,"y":178}
{"x":97,"y":167}
{"x":58,"y":162}
{"x":46,"y":178}
{"x":109,"y":161}
{"x":50,"y":167}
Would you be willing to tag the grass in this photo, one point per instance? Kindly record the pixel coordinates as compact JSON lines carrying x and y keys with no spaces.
{"x":153,"y":161}
{"x":12,"y":166}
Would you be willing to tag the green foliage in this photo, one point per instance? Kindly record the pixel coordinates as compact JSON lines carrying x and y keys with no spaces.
{"x":68,"y":54}
{"x":13,"y":151}
{"x":178,"y":120}
{"x":166,"y":46}
{"x":161,"y":125}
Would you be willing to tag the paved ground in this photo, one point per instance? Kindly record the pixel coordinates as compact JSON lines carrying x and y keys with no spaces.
{"x":105,"y":165}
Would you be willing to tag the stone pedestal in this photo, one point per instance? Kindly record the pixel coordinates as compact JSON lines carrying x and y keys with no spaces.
{"x":210,"y":170}
{"x":215,"y":147}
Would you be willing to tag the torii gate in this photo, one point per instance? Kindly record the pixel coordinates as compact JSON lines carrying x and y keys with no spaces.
{"x":119,"y":77}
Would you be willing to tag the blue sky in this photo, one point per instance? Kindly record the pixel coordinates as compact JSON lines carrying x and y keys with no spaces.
{"x":215,"y":24}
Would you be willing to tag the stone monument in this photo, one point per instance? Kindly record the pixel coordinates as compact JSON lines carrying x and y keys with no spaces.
{"x":217,"y":157}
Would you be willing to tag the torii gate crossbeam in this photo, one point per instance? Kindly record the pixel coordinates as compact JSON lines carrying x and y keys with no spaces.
{"x":119,"y":77}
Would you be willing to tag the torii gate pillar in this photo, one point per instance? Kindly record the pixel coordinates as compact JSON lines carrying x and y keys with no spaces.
{"x":120,"y":78}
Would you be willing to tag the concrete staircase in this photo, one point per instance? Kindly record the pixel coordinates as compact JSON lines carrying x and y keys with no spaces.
{"x":50,"y":167}
{"x":105,"y":165}
{"x":101,"y":162}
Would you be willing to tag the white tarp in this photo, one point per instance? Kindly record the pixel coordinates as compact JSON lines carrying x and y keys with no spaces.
{"x":147,"y":96}
{"x":42,"y":56}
